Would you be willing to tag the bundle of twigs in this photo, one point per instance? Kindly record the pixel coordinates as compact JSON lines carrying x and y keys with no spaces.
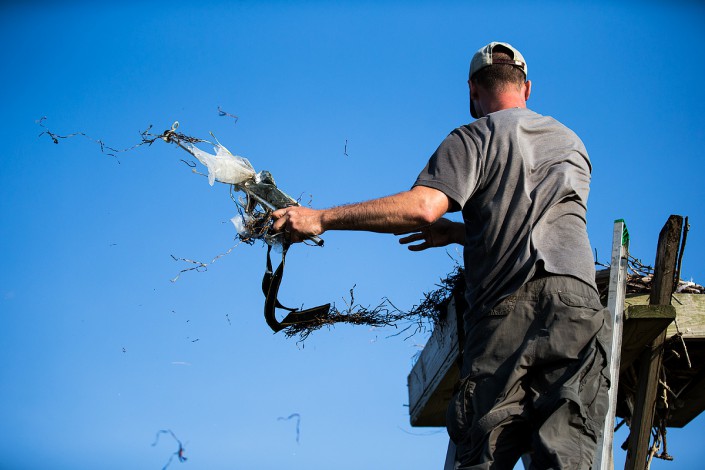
{"x":637,"y":284}
{"x":423,"y":316}
{"x":640,"y":277}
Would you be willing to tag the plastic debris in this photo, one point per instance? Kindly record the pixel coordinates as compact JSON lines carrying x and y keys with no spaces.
{"x":223,"y":166}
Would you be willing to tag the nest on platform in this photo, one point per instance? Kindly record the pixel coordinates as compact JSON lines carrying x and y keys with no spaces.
{"x":638,"y":284}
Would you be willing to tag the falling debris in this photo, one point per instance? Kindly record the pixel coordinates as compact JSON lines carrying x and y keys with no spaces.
{"x":253,"y":221}
{"x":223,"y":113}
{"x":199,"y":265}
{"x":147,"y":139}
{"x":179,"y":452}
{"x":298,"y":423}
{"x":345,"y":151}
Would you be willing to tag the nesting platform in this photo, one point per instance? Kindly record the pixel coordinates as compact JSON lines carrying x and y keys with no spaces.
{"x":684,"y":353}
{"x":433,"y":377}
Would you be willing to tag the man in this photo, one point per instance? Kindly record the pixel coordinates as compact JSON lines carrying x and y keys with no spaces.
{"x":534,"y":375}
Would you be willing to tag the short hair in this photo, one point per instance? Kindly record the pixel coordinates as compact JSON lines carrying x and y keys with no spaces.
{"x":496,"y":77}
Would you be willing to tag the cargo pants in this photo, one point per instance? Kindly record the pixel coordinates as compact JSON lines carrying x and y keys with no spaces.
{"x":535,"y":379}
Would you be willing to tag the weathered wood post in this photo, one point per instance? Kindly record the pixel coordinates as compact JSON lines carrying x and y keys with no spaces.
{"x":661,"y":289}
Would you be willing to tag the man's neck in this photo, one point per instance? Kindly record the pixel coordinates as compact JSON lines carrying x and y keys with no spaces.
{"x":503,"y":101}
{"x":486,"y":102}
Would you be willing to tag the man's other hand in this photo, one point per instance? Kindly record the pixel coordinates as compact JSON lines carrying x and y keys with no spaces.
{"x":443,"y":232}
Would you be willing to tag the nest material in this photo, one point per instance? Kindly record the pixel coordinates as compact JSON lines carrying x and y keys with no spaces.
{"x":641,"y":284}
{"x":427,"y":313}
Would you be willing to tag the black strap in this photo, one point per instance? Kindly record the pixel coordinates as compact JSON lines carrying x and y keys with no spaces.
{"x":270,"y":287}
{"x":268,"y":275}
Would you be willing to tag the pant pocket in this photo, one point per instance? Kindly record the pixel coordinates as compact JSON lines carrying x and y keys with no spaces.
{"x":459,"y":415}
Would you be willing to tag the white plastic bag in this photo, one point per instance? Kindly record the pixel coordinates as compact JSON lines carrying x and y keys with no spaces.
{"x":224,"y":166}
{"x":240,"y":222}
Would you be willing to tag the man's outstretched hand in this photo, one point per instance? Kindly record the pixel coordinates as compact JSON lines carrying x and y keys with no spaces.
{"x":298,"y":223}
{"x":442,"y":232}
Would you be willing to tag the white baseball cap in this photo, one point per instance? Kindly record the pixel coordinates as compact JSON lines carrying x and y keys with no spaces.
{"x":483,"y":58}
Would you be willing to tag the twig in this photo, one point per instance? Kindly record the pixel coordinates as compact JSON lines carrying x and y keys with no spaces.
{"x":298,"y":423}
{"x":200,"y":266}
{"x":179,"y":452}
{"x":223,"y":113}
{"x":146,"y":136}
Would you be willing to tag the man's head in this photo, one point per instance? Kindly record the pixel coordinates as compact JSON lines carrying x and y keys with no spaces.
{"x":497,"y":69}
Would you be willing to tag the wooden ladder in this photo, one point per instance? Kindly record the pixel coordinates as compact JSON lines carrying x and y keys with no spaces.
{"x":615,"y":303}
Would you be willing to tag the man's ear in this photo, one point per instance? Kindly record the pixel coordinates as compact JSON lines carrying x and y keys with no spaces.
{"x":473,"y":91}
{"x":527,"y":90}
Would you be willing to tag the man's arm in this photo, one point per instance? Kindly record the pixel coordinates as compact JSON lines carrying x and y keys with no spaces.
{"x":404,"y":212}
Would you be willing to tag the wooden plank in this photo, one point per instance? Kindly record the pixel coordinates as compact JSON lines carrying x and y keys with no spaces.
{"x":643,"y":324}
{"x":690,"y":318}
{"x":690,"y":313}
{"x":656,"y":312}
{"x":663,"y":283}
{"x":661,"y":290}
{"x":435,"y":374}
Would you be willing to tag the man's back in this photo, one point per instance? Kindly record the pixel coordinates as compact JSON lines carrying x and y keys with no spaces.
{"x":522,"y":182}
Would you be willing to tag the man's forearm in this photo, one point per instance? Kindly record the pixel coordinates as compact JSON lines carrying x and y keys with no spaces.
{"x":403,"y":212}
{"x":392,"y":214}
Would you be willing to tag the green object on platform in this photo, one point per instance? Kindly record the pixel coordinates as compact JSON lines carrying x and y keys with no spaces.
{"x":625,"y":233}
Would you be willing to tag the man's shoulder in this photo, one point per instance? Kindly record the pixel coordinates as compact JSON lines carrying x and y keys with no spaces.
{"x":514,"y":116}
{"x":472,"y":129}
{"x":505,"y":118}
{"x":529,"y":120}
{"x":510,"y":122}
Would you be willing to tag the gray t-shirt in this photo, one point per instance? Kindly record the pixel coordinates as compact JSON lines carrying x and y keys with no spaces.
{"x":522,"y":181}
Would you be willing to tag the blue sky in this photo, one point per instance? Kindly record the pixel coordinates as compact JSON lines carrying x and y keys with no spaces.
{"x":100,"y":350}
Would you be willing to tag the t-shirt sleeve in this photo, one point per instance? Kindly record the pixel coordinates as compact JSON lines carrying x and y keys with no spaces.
{"x":453,"y":169}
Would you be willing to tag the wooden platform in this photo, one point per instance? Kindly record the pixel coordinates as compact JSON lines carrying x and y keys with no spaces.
{"x":684,"y":355}
{"x":435,"y":374}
